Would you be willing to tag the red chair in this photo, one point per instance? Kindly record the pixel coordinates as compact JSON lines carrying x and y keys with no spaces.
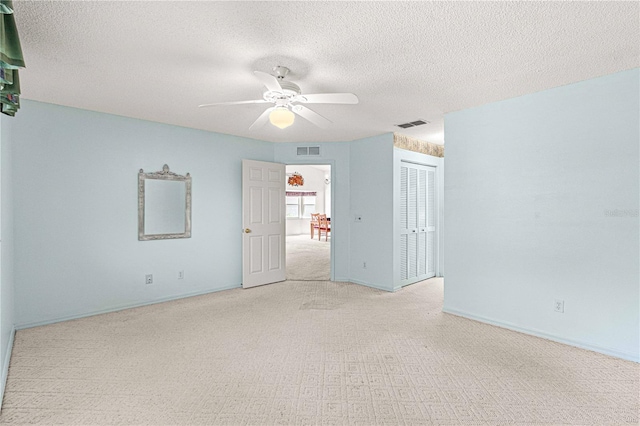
{"x":314,"y":223}
{"x":323,"y":226}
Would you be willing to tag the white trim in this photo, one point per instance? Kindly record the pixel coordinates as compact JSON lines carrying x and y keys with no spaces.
{"x":122,"y":307}
{"x":377,"y":287}
{"x":606,"y":351}
{"x":5,"y":367}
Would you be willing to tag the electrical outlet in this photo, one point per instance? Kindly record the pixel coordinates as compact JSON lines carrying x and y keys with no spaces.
{"x":558,"y":306}
{"x":181,"y":274}
{"x":148,"y":279}
{"x":358,"y":218}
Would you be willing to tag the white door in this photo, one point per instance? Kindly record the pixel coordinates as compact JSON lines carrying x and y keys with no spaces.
{"x":417,"y":222}
{"x":263,"y":219}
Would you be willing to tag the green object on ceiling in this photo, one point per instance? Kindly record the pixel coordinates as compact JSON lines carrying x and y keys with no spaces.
{"x":9,"y":110}
{"x":10,"y":49}
{"x":11,"y":60}
{"x":6,"y":76}
{"x":13,"y":88}
{"x":10,"y":96}
{"x":6,"y":7}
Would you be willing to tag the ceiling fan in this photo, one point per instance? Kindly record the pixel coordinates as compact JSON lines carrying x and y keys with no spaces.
{"x":287,"y":97}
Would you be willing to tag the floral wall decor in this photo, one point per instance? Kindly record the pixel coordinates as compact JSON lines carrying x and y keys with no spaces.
{"x":295,"y":179}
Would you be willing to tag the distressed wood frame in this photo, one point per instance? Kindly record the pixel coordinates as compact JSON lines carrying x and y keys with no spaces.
{"x":164,"y":174}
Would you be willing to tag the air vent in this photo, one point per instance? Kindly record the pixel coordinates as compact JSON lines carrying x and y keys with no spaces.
{"x":308,"y":150}
{"x":413,"y":124}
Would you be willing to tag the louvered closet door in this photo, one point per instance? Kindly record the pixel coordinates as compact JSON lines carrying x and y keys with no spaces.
{"x":417,"y":222}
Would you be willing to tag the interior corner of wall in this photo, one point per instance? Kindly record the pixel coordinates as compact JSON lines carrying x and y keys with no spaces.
{"x":5,"y":364}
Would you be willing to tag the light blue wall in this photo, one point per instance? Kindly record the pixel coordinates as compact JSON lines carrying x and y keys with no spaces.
{"x":532,"y":186}
{"x":362,"y":174}
{"x":75,"y":186}
{"x":76,"y":232}
{"x":371,"y":189}
{"x":6,"y":250}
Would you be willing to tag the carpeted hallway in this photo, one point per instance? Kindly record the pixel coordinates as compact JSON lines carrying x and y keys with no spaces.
{"x":308,"y":259}
{"x":298,"y":353}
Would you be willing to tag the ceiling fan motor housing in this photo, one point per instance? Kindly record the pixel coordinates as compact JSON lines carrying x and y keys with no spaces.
{"x":289,"y":91}
{"x":280,"y":71}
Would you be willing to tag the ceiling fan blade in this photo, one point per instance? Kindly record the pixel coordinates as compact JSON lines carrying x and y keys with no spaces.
{"x":257,"y":101}
{"x":264,"y":117}
{"x":312,"y":116}
{"x":269,"y":81}
{"x":328,"y":98}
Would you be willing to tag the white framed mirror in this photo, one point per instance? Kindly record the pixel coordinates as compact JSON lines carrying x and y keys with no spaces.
{"x":164,"y":205}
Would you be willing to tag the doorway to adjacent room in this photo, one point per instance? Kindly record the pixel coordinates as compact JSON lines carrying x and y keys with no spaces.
{"x":308,"y":243}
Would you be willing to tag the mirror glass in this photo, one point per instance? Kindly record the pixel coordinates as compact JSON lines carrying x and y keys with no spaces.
{"x":164,"y":205}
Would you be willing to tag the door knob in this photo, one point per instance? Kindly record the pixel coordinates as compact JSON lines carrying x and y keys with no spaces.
{"x":247,"y":230}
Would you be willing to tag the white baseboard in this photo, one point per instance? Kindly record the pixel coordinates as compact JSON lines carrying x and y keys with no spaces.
{"x":351,"y":280}
{"x":606,"y":351}
{"x":21,"y":326}
{"x":5,"y":366}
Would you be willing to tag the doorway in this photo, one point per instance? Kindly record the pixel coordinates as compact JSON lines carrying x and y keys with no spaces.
{"x":308,"y":248}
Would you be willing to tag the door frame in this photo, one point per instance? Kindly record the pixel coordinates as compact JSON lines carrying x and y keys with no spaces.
{"x":399,"y":156}
{"x":334,"y":220}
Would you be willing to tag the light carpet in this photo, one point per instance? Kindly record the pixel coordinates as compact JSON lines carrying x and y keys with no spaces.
{"x":308,"y":259}
{"x":308,"y":353}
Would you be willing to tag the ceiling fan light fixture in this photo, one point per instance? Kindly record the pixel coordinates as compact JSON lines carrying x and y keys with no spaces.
{"x":284,"y":95}
{"x":281,"y":117}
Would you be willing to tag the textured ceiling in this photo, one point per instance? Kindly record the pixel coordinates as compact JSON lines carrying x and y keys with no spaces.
{"x":405,"y":60}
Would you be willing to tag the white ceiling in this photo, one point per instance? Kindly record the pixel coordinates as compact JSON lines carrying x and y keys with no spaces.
{"x":405,"y":60}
